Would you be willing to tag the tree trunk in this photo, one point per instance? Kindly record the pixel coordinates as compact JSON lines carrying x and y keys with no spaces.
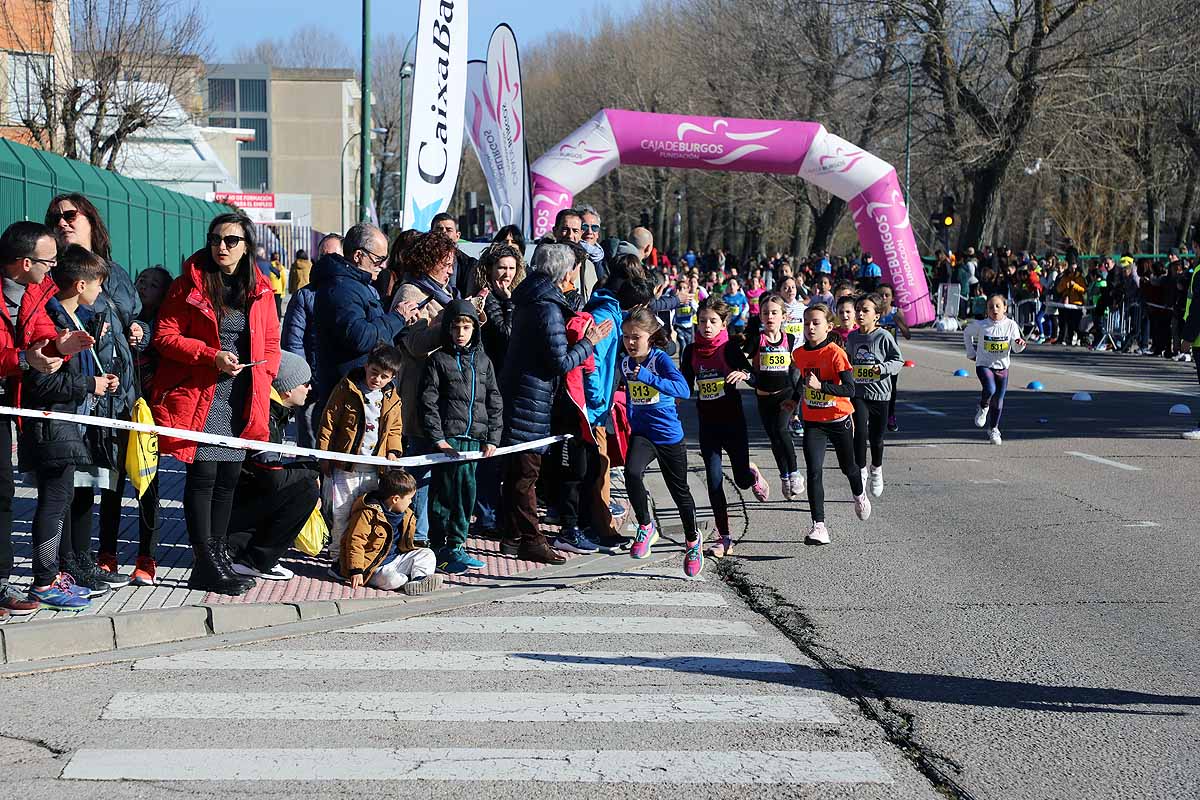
{"x":1189,"y":206}
{"x":985,"y":184}
{"x":1152,"y":221}
{"x":690,"y":220}
{"x":619,"y":211}
{"x":658,"y":216}
{"x":826,"y":224}
{"x":710,"y":233}
{"x":801,"y":229}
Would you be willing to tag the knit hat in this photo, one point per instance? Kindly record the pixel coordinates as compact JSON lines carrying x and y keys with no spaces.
{"x":293,"y":371}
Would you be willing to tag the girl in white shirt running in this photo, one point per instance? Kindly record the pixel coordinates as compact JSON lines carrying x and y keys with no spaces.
{"x":990,"y":343}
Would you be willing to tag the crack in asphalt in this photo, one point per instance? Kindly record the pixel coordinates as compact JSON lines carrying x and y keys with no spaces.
{"x":896,"y":724}
{"x":41,"y":744}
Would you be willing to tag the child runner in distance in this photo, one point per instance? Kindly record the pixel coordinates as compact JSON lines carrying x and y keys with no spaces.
{"x":652,"y":384}
{"x":776,"y":383}
{"x":846,"y":318}
{"x":822,"y":293}
{"x":875,"y":358}
{"x":990,"y":343}
{"x":716,"y":365}
{"x":793,"y":325}
{"x":891,"y":319}
{"x":828,"y":382}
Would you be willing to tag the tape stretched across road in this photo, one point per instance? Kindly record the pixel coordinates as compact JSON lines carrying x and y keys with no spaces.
{"x":271,"y":447}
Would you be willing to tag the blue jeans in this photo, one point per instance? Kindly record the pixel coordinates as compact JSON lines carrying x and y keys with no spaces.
{"x":685,"y":336}
{"x":415,"y":446}
{"x":487,"y":493}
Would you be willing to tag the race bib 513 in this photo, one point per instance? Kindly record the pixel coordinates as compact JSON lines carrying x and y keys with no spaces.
{"x":642,"y":394}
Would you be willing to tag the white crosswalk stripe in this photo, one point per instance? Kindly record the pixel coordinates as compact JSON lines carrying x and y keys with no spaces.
{"x":714,"y":706}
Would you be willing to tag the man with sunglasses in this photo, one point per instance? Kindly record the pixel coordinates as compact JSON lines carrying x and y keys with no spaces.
{"x":589,"y":240}
{"x":350,"y":319}
{"x":28,"y":341}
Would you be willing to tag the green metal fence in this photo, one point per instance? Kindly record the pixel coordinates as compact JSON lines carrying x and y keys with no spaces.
{"x":148,"y":224}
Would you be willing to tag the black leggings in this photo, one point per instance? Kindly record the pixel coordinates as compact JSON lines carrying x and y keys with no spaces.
{"x":870,"y":417}
{"x":891,"y":402}
{"x":76,"y":540}
{"x":110,"y":517}
{"x":51,"y":519}
{"x":816,"y":436}
{"x":208,"y":499}
{"x":672,"y":460}
{"x":730,"y":437}
{"x":775,"y":419}
{"x":577,"y":465}
{"x":1069,"y":319}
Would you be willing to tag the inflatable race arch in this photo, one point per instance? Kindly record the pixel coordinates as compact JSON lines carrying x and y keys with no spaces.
{"x":868,"y":184}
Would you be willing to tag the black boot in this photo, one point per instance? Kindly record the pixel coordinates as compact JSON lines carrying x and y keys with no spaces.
{"x":225,"y":565}
{"x":207,"y":576}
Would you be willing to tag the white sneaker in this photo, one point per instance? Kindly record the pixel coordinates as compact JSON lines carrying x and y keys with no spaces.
{"x":862,"y":506}
{"x":798,"y":484}
{"x":876,"y":481}
{"x":818,"y":534}
{"x":275,"y":573}
{"x":785,"y":482}
{"x":981,"y":417}
{"x":1191,"y":436}
{"x":863,"y":475}
{"x":994,"y":435}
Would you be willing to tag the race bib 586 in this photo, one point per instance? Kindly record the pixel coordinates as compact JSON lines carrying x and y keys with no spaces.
{"x":866,"y":372}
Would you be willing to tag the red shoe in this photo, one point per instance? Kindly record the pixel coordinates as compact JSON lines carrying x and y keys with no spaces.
{"x":107,"y":561}
{"x":16,"y":603}
{"x":143,"y":572}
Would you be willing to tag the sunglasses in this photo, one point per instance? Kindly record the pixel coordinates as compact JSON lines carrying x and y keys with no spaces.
{"x":69,"y":215}
{"x":376,"y":260}
{"x":230,"y":241}
{"x":587,"y":227}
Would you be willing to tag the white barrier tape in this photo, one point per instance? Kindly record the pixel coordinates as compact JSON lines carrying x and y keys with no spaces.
{"x":271,"y":447}
{"x":1056,"y":304}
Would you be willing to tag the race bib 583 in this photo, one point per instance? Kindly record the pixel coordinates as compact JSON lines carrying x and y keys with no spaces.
{"x":711,"y":388}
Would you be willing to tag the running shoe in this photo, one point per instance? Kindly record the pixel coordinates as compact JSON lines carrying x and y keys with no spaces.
{"x":875,"y":481}
{"x":616,"y":509}
{"x":762,"y":492}
{"x":994,"y":435}
{"x":862,"y":506}
{"x":275,"y":573}
{"x":453,"y":562}
{"x":818,"y":534}
{"x":798,"y":485}
{"x":1191,"y":436}
{"x":693,"y":558}
{"x":14,"y":602}
{"x":647,"y":535}
{"x":143,"y":571}
{"x":892,"y":425}
{"x":73,"y":587}
{"x":99,"y":572}
{"x":981,"y":416}
{"x":785,"y":482}
{"x":722,"y":547}
{"x":614,"y":544}
{"x":59,"y":597}
{"x":797,"y":427}
{"x":573,"y":540}
{"x":426,"y":585}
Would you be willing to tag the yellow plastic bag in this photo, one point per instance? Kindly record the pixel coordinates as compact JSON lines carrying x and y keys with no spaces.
{"x":312,"y":536}
{"x":141,"y":454}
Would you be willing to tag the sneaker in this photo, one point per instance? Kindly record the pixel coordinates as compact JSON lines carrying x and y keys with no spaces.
{"x":1191,"y":436}
{"x":470,"y":560}
{"x":797,"y":427}
{"x":456,"y":561}
{"x":693,"y":559}
{"x":143,"y":572}
{"x":862,"y":506}
{"x":892,"y":425}
{"x":762,"y":492}
{"x":108,"y":575}
{"x":875,"y":481}
{"x":275,"y":573}
{"x":333,"y":574}
{"x":722,"y":547}
{"x":994,"y":435}
{"x":614,"y":544}
{"x":785,"y":485}
{"x":616,"y":509}
{"x":573,"y":540}
{"x":647,"y":535}
{"x":59,"y":597}
{"x":798,"y":484}
{"x":80,"y":591}
{"x":16,"y":603}
{"x":981,"y":416}
{"x":426,"y":585}
{"x":818,"y":534}
{"x":78,"y":576}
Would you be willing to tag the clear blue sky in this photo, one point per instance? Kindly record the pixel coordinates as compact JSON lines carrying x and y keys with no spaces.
{"x":234,"y":23}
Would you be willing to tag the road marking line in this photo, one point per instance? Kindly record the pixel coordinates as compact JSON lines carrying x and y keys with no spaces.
{"x":563,"y":625}
{"x":470,"y":707}
{"x":1143,"y":524}
{"x":1104,"y":461}
{"x":972,"y":460}
{"x":639,"y":598}
{"x":469,"y":764}
{"x":468,"y":661}
{"x":931,"y":411}
{"x":987,"y":480}
{"x":1027,"y":364}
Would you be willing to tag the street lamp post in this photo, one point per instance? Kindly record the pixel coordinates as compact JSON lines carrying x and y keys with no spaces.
{"x":342,"y":167}
{"x":406,"y":72}
{"x":364,"y":155}
{"x":678,"y":221}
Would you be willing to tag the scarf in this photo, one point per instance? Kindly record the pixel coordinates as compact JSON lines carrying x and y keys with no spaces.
{"x":434,"y":289}
{"x":705,"y":348}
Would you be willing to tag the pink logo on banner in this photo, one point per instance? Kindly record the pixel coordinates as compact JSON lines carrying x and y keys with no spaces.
{"x":580,"y":154}
{"x":840,"y":160}
{"x":671,"y":140}
{"x":548,"y":199}
{"x":881,"y":219}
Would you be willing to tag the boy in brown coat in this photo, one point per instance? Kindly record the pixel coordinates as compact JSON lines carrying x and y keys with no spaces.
{"x":378,"y":549}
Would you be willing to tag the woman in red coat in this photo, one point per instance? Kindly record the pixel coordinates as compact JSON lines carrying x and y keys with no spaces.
{"x":218,"y":338}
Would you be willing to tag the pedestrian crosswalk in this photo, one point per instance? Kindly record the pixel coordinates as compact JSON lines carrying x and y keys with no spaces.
{"x":672,"y":687}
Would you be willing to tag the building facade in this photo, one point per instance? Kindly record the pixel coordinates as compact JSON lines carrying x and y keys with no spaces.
{"x":35,"y":48}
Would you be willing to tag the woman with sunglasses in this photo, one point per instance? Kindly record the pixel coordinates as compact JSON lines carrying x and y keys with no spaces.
{"x":218,"y":339}
{"x":118,"y":335}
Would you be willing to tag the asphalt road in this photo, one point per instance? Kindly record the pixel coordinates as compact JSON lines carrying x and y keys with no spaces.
{"x":1013,"y":622}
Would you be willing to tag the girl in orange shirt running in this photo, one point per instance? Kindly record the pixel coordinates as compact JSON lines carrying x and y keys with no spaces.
{"x":828,"y":386}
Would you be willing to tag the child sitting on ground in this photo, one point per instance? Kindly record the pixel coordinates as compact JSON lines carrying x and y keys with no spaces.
{"x":362,"y":417}
{"x":378,"y":548}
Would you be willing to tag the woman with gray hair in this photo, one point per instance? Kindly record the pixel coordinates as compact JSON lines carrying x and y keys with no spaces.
{"x":529,"y":381}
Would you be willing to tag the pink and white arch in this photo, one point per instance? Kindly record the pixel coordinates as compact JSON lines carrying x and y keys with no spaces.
{"x":614,"y":137}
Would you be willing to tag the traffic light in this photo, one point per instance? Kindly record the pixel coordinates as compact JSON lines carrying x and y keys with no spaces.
{"x":948,"y":216}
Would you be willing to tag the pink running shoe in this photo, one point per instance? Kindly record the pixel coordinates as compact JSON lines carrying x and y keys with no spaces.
{"x":693,"y":559}
{"x":862,"y":506}
{"x":722,"y":547}
{"x":760,"y":488}
{"x":646,"y":536}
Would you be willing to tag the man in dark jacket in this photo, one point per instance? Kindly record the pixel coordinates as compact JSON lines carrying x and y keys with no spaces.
{"x":352,"y":321}
{"x":461,"y":412}
{"x":528,"y":382}
{"x":299,"y":335}
{"x":463,"y":276}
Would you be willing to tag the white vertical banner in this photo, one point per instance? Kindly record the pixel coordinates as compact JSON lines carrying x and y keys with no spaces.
{"x":438,"y":99}
{"x":496,"y":128}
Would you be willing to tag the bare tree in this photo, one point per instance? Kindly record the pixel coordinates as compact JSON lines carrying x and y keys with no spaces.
{"x":121,"y":67}
{"x":307,"y":47}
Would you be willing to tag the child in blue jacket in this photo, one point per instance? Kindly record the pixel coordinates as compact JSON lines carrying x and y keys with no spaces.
{"x":652,"y":384}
